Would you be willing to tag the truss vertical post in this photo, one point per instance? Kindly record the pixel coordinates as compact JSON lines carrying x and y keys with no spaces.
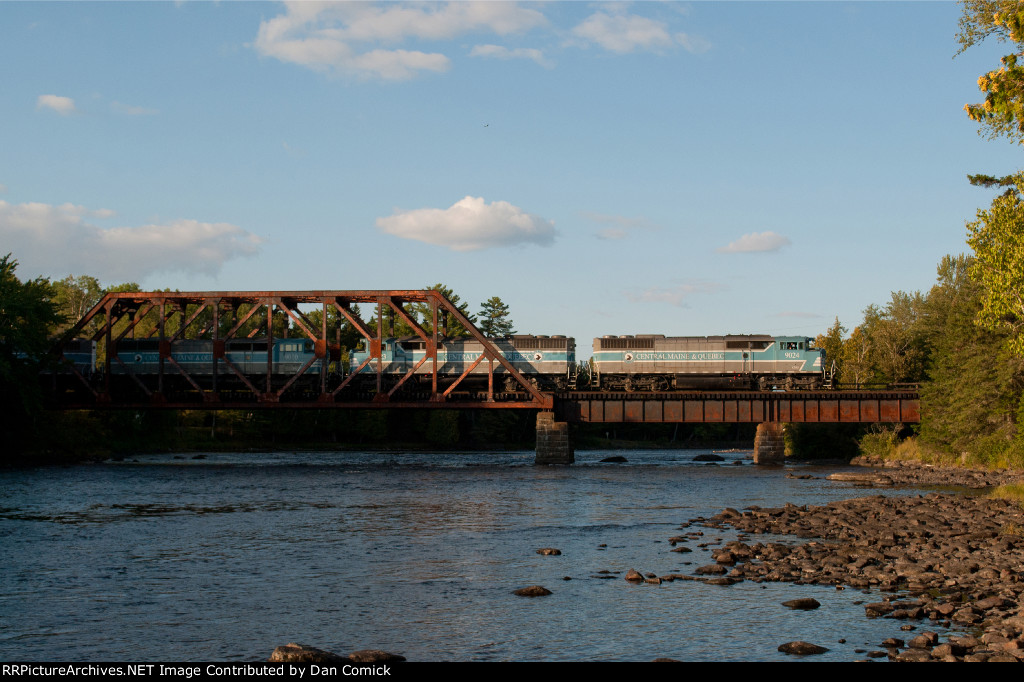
{"x":160,"y":347}
{"x":218,"y":345}
{"x":270,"y":348}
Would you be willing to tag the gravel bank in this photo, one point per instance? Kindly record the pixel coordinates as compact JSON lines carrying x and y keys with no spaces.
{"x":944,"y":558}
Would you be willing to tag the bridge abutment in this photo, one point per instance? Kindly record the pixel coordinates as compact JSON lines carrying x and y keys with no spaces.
{"x":769,"y":444}
{"x":554,"y":441}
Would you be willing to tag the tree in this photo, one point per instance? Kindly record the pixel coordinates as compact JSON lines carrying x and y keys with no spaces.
{"x":972,"y":395}
{"x":895,"y":337}
{"x":75,"y":296}
{"x":494,"y":318}
{"x":832,"y":342}
{"x":997,"y":237}
{"x":27,"y":314}
{"x":1002,"y":112}
{"x":447,"y":323}
{"x":856,"y":358}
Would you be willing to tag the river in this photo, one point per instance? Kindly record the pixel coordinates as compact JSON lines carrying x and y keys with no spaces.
{"x":225,"y":557}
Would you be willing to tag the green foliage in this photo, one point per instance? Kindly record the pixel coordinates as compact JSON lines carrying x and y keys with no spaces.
{"x":997,"y":237}
{"x":895,"y":339}
{"x":27,"y":313}
{"x":832,"y":342}
{"x":1002,"y":112}
{"x":494,"y":318}
{"x":448,"y":324}
{"x":970,"y":401}
{"x":75,"y":296}
{"x":856,"y":358}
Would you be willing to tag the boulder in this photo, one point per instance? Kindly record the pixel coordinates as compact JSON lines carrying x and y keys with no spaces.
{"x":532,"y":591}
{"x":801,"y":648}
{"x":303,"y":653}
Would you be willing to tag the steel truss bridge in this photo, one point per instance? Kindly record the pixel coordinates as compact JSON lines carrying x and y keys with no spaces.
{"x":167,"y":317}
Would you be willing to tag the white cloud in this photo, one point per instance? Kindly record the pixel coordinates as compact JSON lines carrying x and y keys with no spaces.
{"x":355,"y":38}
{"x":676,"y":295}
{"x":62,"y":105}
{"x":56,"y":240}
{"x":469,"y":225}
{"x":501,"y":52}
{"x":622,"y":33}
{"x":756,"y":241}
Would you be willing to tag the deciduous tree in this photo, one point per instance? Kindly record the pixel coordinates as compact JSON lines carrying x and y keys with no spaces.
{"x":1002,"y":112}
{"x":997,"y":237}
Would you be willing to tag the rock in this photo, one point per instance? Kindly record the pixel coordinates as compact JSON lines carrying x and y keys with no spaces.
{"x":721,"y":581}
{"x":634,"y":576}
{"x":549,"y":551}
{"x":302,"y":653}
{"x":853,"y":477}
{"x":375,"y":656}
{"x":709,"y":458}
{"x":804,"y":603}
{"x":616,"y":459}
{"x":532,"y":591}
{"x":801,"y":648}
{"x":712,"y":569}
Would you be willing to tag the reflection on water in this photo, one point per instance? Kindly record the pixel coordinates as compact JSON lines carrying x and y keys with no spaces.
{"x":226,"y":557}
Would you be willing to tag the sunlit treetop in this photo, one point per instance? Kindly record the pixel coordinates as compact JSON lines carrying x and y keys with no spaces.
{"x":1002,"y":112}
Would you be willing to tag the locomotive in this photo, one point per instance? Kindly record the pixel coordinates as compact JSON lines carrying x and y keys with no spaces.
{"x":547,"y":362}
{"x":642,"y":362}
{"x":654,"y":362}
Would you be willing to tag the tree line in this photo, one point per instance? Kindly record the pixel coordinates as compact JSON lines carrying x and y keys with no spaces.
{"x":963,"y":340}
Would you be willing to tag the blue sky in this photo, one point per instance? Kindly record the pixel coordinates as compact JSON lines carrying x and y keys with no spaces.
{"x":605,"y":168}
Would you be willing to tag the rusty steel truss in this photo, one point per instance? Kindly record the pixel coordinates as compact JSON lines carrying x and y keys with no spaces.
{"x":203,"y":314}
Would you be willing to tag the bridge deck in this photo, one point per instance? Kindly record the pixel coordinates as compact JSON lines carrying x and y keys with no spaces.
{"x":725,"y":407}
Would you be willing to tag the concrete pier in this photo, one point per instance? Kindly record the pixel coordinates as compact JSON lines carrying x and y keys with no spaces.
{"x":769,"y":444}
{"x":554,"y":442}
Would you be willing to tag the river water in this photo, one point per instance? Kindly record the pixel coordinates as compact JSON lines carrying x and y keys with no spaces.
{"x":226,"y":557}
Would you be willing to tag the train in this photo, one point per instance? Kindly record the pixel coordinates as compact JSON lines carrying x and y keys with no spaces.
{"x":629,"y":363}
{"x":655,"y":362}
{"x":547,"y":362}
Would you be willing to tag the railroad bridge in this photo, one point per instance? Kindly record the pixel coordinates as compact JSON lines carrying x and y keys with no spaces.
{"x":220,"y":318}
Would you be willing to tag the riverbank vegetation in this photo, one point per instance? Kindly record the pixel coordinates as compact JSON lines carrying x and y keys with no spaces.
{"x":962,"y":341}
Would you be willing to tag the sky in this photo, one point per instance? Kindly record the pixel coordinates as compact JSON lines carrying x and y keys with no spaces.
{"x":683,"y":168}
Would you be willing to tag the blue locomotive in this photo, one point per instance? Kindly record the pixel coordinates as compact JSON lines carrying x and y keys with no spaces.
{"x":654,"y":362}
{"x":141,"y":357}
{"x":547,"y":362}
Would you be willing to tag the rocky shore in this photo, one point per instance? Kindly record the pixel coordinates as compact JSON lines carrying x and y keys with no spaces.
{"x":942,"y":558}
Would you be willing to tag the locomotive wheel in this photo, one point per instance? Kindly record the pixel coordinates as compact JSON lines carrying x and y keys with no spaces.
{"x":762,"y":383}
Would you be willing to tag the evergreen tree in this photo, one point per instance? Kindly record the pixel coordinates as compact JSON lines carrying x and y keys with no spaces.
{"x":444,"y":320}
{"x":494,"y":318}
{"x":973,"y":394}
